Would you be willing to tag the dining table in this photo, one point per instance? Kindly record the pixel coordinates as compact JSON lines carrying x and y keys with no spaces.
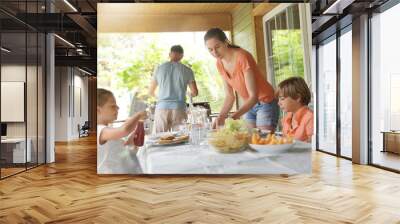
{"x":202,"y":158}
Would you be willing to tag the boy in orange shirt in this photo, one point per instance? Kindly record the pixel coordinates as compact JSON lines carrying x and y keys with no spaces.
{"x":294,"y":96}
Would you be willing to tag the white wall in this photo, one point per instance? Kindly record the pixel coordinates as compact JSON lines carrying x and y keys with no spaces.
{"x":80,"y":118}
{"x":69,"y":84}
{"x":80,"y":94}
{"x":13,"y":73}
{"x":61,"y":103}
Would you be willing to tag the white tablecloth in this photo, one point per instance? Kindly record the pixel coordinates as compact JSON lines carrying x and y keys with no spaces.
{"x":203,"y":159}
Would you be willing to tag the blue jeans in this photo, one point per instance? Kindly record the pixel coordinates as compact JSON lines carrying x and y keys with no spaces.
{"x":263,"y":114}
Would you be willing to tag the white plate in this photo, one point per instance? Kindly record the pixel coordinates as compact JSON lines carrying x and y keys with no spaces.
{"x":153,"y":139}
{"x":161,"y":134}
{"x":272,"y":148}
{"x":172,"y":142}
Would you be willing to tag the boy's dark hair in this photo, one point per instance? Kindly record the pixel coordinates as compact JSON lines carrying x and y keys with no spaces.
{"x":177,"y":49}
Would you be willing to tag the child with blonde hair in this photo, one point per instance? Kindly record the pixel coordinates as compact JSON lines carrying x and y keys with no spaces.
{"x":113,"y":157}
{"x":294,"y":97}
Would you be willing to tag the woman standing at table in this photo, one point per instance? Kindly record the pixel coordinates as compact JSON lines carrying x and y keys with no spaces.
{"x":240,"y":73}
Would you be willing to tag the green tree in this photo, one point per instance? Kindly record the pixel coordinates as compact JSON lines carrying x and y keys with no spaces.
{"x":287,"y":54}
{"x":210,"y":85}
{"x":138,"y":75}
{"x":127,"y":62}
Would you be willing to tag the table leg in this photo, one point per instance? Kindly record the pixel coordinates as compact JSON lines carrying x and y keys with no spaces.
{"x":384,"y":142}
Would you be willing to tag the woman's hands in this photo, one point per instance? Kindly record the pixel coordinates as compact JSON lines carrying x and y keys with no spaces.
{"x":220,"y":120}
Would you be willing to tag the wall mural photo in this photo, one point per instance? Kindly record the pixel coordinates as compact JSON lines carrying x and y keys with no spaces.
{"x":205,"y":89}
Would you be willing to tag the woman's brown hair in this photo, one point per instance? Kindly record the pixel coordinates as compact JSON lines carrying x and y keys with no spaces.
{"x":294,"y":87}
{"x":219,"y":35}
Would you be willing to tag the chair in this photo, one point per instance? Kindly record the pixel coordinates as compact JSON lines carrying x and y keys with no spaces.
{"x":205,"y":105}
{"x":84,"y":130}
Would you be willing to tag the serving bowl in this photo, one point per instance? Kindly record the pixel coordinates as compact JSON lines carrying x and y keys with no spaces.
{"x":228,"y":143}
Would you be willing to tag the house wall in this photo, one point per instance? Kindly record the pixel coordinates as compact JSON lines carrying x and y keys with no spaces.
{"x":247,"y":30}
{"x":243,"y":28}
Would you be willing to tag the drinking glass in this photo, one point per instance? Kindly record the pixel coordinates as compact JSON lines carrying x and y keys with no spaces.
{"x":195,"y":134}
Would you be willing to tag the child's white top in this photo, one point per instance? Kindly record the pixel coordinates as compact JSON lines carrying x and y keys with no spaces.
{"x":113,"y":157}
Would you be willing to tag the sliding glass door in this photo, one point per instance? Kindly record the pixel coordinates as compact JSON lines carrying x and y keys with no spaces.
{"x":385,"y":89}
{"x":326,"y":99}
{"x":334,"y":94}
{"x":346,"y":95}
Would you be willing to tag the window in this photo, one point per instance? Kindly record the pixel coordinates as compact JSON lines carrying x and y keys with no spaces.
{"x":284,"y":43}
{"x":287,"y":44}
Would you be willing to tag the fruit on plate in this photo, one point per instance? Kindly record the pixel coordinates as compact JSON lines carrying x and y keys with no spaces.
{"x":270,"y":139}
